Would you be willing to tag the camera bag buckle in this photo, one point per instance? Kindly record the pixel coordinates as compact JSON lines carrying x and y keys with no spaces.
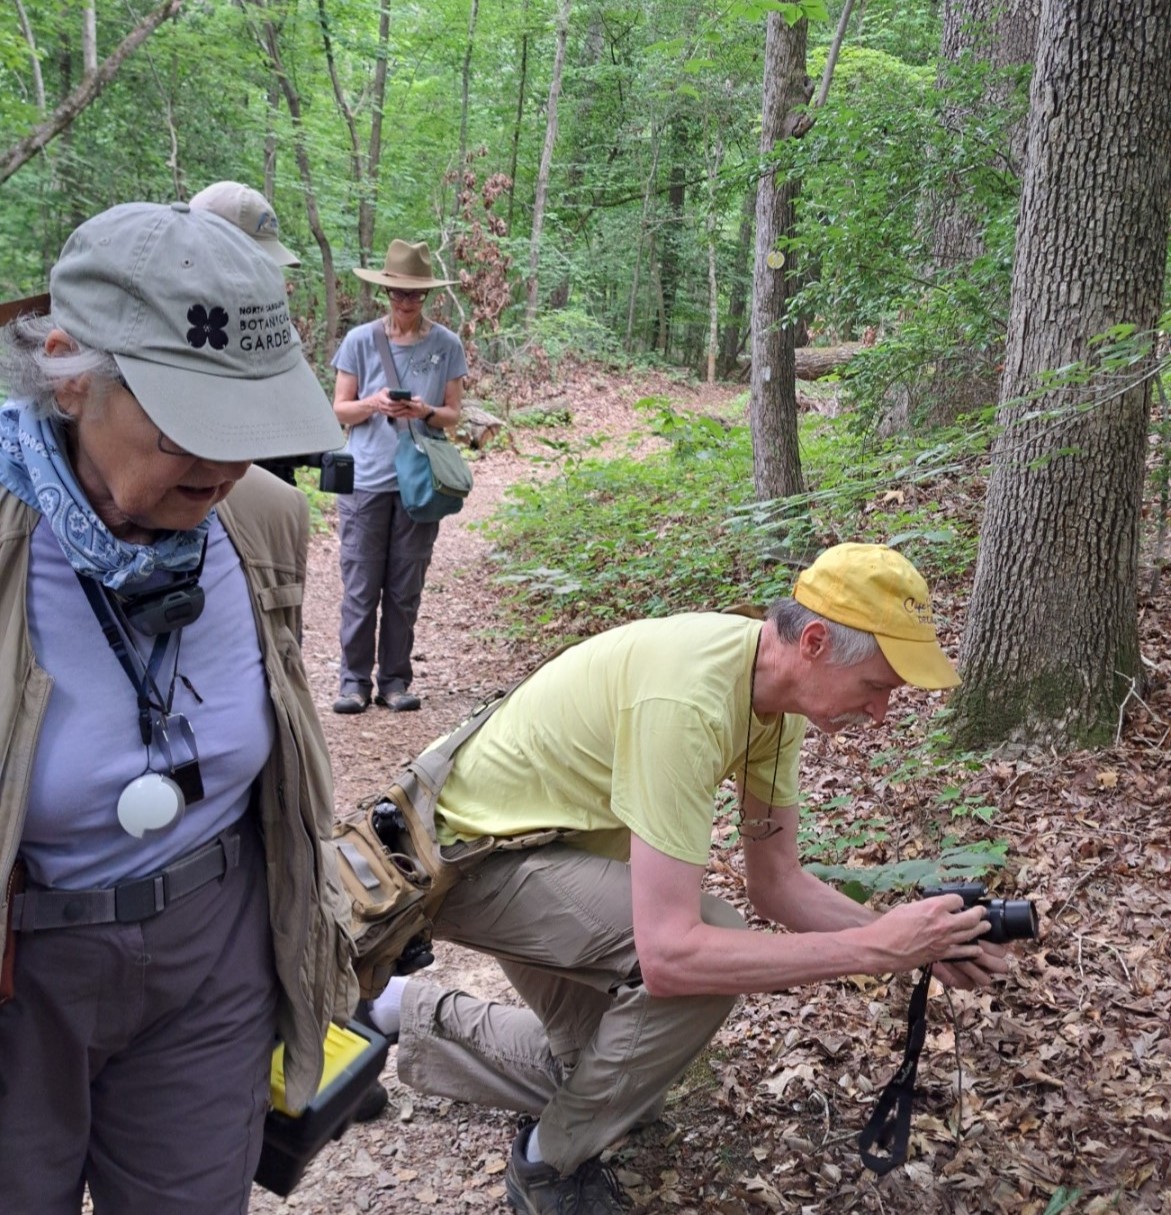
{"x":885,"y":1137}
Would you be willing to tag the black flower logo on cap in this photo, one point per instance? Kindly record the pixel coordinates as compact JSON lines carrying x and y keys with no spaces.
{"x":207,"y":327}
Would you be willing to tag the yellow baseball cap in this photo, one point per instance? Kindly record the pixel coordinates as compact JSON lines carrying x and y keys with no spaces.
{"x":874,"y":589}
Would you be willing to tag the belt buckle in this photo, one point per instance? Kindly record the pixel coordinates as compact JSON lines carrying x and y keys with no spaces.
{"x":139,"y":900}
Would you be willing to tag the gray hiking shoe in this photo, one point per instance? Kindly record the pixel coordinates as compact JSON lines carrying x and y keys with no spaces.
{"x":538,"y":1189}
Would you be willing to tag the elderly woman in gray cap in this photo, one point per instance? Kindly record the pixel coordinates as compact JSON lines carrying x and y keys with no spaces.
{"x":398,"y":367}
{"x":165,"y":876}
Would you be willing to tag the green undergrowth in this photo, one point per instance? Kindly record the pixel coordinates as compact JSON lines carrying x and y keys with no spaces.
{"x":609,"y":540}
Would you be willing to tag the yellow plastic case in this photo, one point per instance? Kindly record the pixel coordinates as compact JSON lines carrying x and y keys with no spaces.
{"x":354,"y":1058}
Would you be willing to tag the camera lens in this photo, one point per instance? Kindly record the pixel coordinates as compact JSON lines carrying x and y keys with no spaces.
{"x":1011,"y":920}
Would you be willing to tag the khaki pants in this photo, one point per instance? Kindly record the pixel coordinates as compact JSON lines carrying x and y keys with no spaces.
{"x":593,"y":1054}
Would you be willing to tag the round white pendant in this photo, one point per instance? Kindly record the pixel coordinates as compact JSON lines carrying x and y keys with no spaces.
{"x":152,"y":804}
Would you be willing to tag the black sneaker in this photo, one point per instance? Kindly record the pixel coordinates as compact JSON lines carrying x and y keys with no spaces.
{"x":374,"y":1100}
{"x":351,"y":702}
{"x":538,"y":1189}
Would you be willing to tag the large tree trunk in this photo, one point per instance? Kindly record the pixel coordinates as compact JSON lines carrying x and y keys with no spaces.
{"x":533,"y":285}
{"x":1051,"y":650}
{"x":773,"y":395}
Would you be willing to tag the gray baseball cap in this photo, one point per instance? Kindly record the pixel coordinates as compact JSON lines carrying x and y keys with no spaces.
{"x":197,"y":319}
{"x":250,"y":211}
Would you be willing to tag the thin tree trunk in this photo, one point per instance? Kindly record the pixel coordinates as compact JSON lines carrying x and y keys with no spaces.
{"x":271,"y":109}
{"x":464,"y":87}
{"x":368,"y":203}
{"x":520,"y":110}
{"x":773,"y":394}
{"x":38,"y":80}
{"x":270,"y":42}
{"x":642,"y":231}
{"x":533,"y":285}
{"x":364,"y":173}
{"x":89,"y":40}
{"x":738,"y":294}
{"x":25,"y":149}
{"x":713,"y":292}
{"x":1051,"y":651}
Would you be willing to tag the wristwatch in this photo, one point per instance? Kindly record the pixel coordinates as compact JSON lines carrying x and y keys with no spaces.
{"x":428,"y":416}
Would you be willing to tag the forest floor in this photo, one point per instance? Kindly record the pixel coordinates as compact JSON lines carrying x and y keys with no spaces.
{"x":1050,"y":1093}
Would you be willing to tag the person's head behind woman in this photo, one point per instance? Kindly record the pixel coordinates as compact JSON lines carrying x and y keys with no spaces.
{"x":167,"y":364}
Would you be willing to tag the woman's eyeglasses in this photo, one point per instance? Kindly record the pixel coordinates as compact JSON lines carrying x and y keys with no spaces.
{"x":162,"y":442}
{"x":403,"y":296}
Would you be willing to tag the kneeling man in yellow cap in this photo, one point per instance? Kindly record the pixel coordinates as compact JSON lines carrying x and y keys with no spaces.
{"x":625,"y":965}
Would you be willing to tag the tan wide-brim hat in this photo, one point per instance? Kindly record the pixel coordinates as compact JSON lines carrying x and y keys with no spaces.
{"x":407,"y":267}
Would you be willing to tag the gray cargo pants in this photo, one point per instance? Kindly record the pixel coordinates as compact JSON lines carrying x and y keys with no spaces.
{"x":135,"y":1057}
{"x":593,"y":1054}
{"x":384,"y":560}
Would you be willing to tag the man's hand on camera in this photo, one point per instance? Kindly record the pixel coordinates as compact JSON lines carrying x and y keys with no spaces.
{"x":930,"y":930}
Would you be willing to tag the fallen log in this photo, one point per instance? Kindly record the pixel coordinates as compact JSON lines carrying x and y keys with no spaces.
{"x":814,"y":362}
{"x":477,"y":427}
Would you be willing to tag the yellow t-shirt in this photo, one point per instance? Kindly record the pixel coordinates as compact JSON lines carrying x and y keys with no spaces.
{"x":632,"y":730}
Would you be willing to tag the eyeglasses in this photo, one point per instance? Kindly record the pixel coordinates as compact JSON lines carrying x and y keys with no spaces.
{"x":165,"y":445}
{"x":403,"y":296}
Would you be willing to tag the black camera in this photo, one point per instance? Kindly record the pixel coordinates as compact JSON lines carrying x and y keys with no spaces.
{"x":337,"y":469}
{"x":1011,"y":919}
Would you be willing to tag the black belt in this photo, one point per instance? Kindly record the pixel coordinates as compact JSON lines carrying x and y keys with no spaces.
{"x":128,"y":902}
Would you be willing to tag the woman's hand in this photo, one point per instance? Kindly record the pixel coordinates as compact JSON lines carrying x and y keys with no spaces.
{"x":416,"y":407}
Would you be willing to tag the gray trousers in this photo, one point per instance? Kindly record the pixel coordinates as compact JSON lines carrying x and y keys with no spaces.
{"x":135,"y":1057}
{"x":593,"y":1054}
{"x":384,"y":560}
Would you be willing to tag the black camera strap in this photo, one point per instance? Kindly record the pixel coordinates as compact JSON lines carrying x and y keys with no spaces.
{"x":884,"y":1140}
{"x":142,"y":675}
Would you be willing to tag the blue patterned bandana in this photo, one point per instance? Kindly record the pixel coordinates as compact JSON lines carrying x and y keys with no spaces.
{"x":34,"y":466}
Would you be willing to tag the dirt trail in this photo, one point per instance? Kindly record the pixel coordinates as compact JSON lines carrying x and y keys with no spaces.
{"x":428,"y":1155}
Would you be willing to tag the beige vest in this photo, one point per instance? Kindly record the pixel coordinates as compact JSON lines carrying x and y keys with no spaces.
{"x":268,"y":525}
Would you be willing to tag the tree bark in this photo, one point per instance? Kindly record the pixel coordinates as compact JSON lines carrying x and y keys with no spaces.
{"x":533,"y":285}
{"x":25,"y":149}
{"x":465,"y":79}
{"x":738,"y":292}
{"x":520,"y":113}
{"x":773,"y":395}
{"x":1051,"y":650}
{"x":89,"y":40}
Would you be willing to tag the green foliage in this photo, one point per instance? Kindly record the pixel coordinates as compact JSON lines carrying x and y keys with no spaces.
{"x":680,"y":530}
{"x":955,"y":862}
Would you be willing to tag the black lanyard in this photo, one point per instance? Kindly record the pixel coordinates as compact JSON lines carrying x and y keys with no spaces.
{"x":142,"y":676}
{"x":889,"y":1128}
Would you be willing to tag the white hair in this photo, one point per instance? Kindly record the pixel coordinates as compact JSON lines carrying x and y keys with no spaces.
{"x":847,"y":646}
{"x":29,"y":372}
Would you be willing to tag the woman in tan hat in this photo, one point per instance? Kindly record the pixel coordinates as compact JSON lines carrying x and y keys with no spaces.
{"x":398,"y":367}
